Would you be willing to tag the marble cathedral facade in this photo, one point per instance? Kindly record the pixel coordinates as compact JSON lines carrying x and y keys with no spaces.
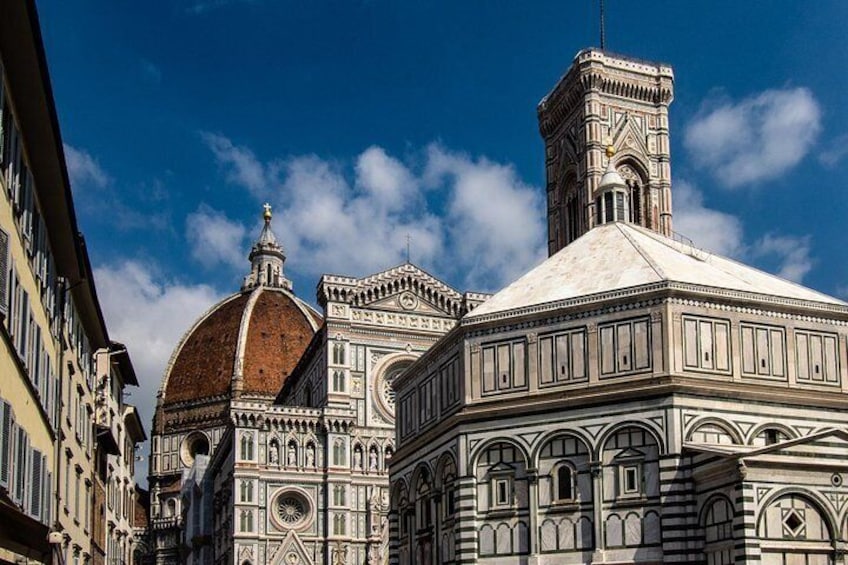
{"x":276,"y":451}
{"x":633,"y":399}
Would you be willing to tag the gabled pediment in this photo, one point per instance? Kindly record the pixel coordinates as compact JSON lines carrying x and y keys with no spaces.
{"x":826,"y":444}
{"x":629,"y":453}
{"x":405,"y":288}
{"x":291,"y":552}
{"x":501,"y":469}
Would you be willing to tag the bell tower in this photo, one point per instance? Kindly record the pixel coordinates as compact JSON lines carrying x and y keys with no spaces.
{"x":607,"y":117}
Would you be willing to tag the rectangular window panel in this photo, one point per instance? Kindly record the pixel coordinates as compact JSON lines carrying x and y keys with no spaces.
{"x":607,"y":336}
{"x":562,"y":369}
{"x":519,"y":366}
{"x":641,"y":346}
{"x":623,"y":344}
{"x":778,"y":353}
{"x":503,"y":367}
{"x":578,"y":355}
{"x":690,"y":342}
{"x":546,"y":360}
{"x":748,"y":364}
{"x":763,"y":354}
{"x":488,"y":369}
{"x":817,"y":357}
{"x":706,"y":344}
{"x":625,"y":347}
{"x":830,"y":373}
{"x":722,"y":347}
{"x":705,"y":331}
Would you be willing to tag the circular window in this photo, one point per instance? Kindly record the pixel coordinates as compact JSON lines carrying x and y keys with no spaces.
{"x":384,"y":387}
{"x":194,"y":444}
{"x":291,"y":509}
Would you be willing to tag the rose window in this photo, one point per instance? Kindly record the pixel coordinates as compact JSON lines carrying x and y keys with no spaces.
{"x":384,"y":387}
{"x":291,"y":510}
{"x":389,"y":393}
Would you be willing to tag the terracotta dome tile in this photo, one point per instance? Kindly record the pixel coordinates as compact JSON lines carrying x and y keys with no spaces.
{"x":203,"y":367}
{"x":277,"y":336}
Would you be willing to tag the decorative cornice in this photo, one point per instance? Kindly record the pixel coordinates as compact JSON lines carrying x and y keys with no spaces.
{"x":668,"y":286}
{"x":614,"y":75}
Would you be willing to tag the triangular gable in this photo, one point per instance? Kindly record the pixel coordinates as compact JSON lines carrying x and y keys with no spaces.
{"x":830,"y":442}
{"x":629,"y":453}
{"x":826,"y":443}
{"x":402,"y":288}
{"x":291,"y":552}
{"x":627,"y":136}
{"x":501,"y":468}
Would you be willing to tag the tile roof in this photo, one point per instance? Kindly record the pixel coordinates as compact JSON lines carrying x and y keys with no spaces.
{"x":617,"y":256}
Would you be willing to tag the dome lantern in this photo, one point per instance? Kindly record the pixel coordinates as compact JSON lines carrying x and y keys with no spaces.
{"x":267,"y":259}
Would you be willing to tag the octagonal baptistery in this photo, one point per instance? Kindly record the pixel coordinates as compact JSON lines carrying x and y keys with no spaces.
{"x":632,"y":399}
{"x":243,"y":347}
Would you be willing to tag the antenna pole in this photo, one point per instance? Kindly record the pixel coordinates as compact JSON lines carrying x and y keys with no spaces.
{"x":603,"y":34}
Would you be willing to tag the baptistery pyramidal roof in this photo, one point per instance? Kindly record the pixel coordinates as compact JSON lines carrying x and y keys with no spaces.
{"x":248,"y":343}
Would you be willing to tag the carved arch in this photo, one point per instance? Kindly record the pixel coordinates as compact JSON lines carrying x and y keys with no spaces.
{"x":729,"y":428}
{"x":647,"y":427}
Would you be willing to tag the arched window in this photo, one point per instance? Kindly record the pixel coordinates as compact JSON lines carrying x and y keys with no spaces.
{"x":718,"y":532}
{"x":564,"y":482}
{"x":246,"y":491}
{"x":338,"y":453}
{"x":338,"y":381}
{"x":247,"y":446}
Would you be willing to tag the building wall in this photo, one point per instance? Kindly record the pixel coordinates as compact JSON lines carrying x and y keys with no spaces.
{"x":51,"y":322}
{"x":305,"y":480}
{"x":662,"y":429}
{"x":28,"y":347}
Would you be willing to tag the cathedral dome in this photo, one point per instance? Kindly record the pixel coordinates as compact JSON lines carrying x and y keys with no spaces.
{"x":248,"y":343}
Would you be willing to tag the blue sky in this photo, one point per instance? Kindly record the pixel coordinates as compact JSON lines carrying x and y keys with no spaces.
{"x":364,"y":121}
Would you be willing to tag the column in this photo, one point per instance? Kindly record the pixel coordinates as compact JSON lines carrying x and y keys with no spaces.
{"x":533,"y":525}
{"x":596,"y":468}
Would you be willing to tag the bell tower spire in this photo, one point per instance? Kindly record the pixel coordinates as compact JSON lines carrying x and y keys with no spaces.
{"x":607,"y":118}
{"x":267,"y":258}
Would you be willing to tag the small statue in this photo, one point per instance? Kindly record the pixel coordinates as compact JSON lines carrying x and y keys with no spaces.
{"x":273,"y":453}
{"x":310,"y":455}
{"x":357,"y":458}
{"x":292,"y":457}
{"x":373,"y":464}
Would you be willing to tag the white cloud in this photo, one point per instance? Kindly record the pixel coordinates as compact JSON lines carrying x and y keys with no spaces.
{"x":84,"y":169}
{"x":709,"y":229}
{"x":242,"y":166}
{"x":215,"y":239}
{"x":722,"y":233}
{"x":836,"y":150}
{"x":332,"y":225}
{"x":792,"y":252}
{"x":467,"y":217}
{"x":756,"y":139}
{"x":149,"y":314}
{"x":495,"y":220}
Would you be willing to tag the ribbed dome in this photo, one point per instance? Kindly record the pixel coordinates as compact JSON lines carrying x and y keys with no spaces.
{"x":251,"y":340}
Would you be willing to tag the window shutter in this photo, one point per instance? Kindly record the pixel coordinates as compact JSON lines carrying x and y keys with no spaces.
{"x":4,"y":273}
{"x":36,"y":485}
{"x":20,"y":465}
{"x":5,"y":442}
